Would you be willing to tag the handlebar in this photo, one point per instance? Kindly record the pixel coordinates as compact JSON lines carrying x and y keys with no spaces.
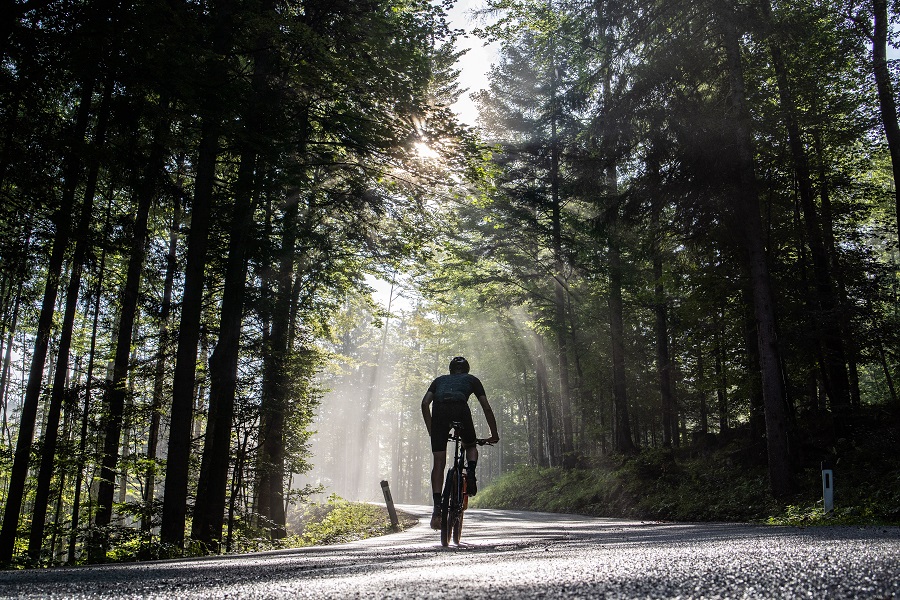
{"x":456,"y":425}
{"x":479,"y":441}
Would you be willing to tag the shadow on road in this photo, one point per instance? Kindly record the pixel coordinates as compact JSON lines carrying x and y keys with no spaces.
{"x":498,"y":537}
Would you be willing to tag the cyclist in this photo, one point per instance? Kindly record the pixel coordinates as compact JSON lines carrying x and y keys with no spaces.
{"x":450,"y":395}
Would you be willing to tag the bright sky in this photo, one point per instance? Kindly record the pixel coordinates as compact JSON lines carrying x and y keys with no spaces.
{"x":475,"y":64}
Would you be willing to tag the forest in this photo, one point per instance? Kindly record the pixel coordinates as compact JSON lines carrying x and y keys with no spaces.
{"x":240,"y":238}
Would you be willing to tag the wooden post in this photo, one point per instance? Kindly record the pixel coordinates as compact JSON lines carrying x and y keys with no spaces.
{"x":395,"y":524}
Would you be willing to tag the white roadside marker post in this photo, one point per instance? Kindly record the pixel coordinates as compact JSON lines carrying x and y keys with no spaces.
{"x":827,"y":486}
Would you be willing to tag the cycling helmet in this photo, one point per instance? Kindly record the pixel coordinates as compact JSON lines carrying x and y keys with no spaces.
{"x":459,"y":365}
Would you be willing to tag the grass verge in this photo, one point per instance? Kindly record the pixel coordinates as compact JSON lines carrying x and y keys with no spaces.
{"x":720,"y":485}
{"x":336,"y":521}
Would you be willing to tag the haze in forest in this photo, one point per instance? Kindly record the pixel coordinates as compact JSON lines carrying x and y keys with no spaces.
{"x":672,"y":237}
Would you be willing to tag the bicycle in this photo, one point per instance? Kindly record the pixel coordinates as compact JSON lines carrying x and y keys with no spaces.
{"x":455,"y":499}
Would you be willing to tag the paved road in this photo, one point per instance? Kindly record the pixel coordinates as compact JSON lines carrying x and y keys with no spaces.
{"x":509,"y":554}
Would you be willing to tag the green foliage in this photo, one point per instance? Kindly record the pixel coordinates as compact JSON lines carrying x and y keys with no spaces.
{"x":344,"y":522}
{"x":814,"y":514}
{"x":660,"y":485}
{"x":336,"y":521}
{"x":652,"y":485}
{"x":333,"y":121}
{"x":132,"y":546}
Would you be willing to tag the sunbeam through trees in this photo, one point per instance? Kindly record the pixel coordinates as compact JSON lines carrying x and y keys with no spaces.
{"x":674,"y":227}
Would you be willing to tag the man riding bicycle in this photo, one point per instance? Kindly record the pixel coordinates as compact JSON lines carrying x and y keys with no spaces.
{"x":450,"y":395}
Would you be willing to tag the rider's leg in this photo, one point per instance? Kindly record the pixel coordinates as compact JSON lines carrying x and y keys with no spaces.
{"x":437,"y":477}
{"x":471,"y":446}
{"x":472,"y":460}
{"x":437,"y":472}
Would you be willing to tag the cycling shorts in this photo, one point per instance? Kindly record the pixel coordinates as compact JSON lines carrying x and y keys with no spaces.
{"x":444,"y":413}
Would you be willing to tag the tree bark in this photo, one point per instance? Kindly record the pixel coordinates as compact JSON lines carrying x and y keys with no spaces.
{"x":180,"y":432}
{"x":546,"y":429}
{"x":886,"y":94}
{"x":116,"y":392}
{"x":81,"y":457}
{"x":62,"y":217}
{"x":276,"y":384}
{"x":51,"y":428}
{"x":701,"y":384}
{"x":747,"y":214}
{"x":184,"y":380}
{"x":623,"y":440}
{"x":7,"y":357}
{"x":223,"y":365}
{"x":664,"y":367}
{"x":159,"y":370}
{"x":751,"y":345}
{"x":721,"y":377}
{"x":559,"y":289}
{"x":828,"y":326}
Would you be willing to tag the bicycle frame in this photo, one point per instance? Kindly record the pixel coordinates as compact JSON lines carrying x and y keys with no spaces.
{"x":454,"y":499}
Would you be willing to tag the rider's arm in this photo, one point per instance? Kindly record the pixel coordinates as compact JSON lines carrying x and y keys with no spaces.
{"x":489,"y":416}
{"x":426,"y":412}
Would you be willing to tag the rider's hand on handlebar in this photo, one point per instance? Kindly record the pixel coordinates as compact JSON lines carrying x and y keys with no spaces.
{"x":493,"y":439}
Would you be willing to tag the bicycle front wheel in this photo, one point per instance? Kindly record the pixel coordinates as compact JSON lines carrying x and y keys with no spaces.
{"x":447,"y":507}
{"x":445,"y":528}
{"x":457,"y":527}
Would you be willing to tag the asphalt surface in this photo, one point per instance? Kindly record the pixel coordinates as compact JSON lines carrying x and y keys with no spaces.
{"x":509,"y":554}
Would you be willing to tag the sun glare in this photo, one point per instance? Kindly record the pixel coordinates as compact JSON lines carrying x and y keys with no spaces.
{"x":424,"y":151}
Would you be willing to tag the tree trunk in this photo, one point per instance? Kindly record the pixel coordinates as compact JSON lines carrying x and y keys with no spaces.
{"x":116,"y":392}
{"x":721,"y":378}
{"x":559,"y":289}
{"x":81,"y":458}
{"x":276,"y":384}
{"x":835,"y":263}
{"x":212,"y":486}
{"x":701,"y":386}
{"x":887,"y":374}
{"x":159,"y":370}
{"x":757,"y":405}
{"x":236,"y":484}
{"x":7,"y":357}
{"x":213,"y":482}
{"x":828,"y":327}
{"x":545,"y":408}
{"x":747,"y":214}
{"x":51,"y":428}
{"x":180,"y":432}
{"x":886,"y":94}
{"x":183,"y":385}
{"x":664,"y":368}
{"x":539,"y":430}
{"x":19,"y":471}
{"x":623,"y":440}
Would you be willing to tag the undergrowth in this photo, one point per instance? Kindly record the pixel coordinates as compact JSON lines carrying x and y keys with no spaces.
{"x":335,"y":521}
{"x":717,"y":485}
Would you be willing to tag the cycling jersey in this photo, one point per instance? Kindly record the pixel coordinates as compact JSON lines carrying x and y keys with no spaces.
{"x":451,"y":393}
{"x":456,"y":387}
